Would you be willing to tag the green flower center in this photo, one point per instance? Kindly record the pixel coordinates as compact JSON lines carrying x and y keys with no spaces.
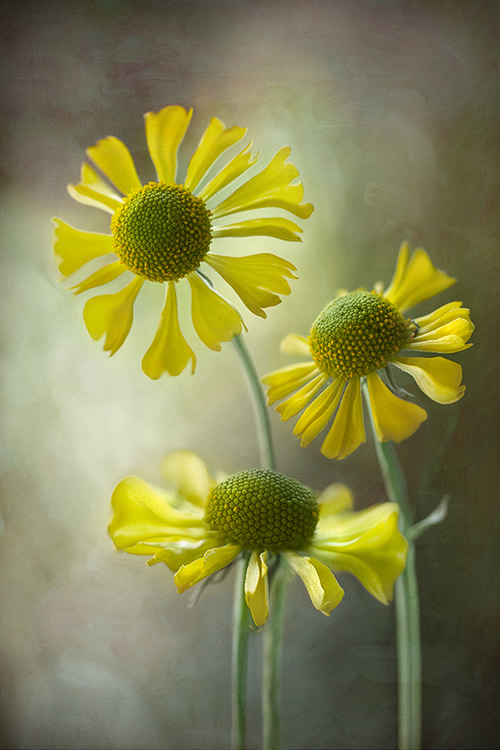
{"x":261,"y":508}
{"x":357,"y":333}
{"x":161,"y":231}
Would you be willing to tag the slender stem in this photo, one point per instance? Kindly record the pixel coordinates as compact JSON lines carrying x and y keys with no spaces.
{"x":241,"y":631}
{"x":271,"y":678}
{"x":261,"y":411}
{"x":407,"y":604}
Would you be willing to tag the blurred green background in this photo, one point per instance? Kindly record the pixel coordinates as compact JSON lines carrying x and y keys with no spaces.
{"x":392,"y":110}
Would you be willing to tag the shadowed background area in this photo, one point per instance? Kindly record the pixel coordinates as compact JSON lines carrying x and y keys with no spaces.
{"x":392,"y":110}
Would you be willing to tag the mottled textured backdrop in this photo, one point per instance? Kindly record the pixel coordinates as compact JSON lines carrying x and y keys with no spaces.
{"x":392,"y":110}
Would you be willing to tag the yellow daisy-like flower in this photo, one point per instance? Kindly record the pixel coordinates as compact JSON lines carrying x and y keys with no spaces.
{"x":163,"y":231}
{"x":357,"y":336}
{"x":200,"y":526}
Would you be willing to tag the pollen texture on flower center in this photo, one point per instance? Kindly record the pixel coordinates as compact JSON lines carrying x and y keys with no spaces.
{"x":357,"y":333}
{"x":261,"y":508}
{"x":162,"y":231}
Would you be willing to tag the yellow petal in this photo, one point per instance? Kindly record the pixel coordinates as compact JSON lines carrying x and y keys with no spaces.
{"x":269,"y":188}
{"x":415,"y":280}
{"x":215,"y":140}
{"x":214,"y":319}
{"x":177,"y":552}
{"x":256,"y":279}
{"x":437,"y":377}
{"x":144,"y":513}
{"x":334,"y":498}
{"x":292,"y":405}
{"x":100,"y":277}
{"x":393,"y":417}
{"x":233,"y":169}
{"x":164,"y":133}
{"x":287,"y":379}
{"x":257,"y":588}
{"x":188,"y":474}
{"x":441,"y":315}
{"x":169,"y":351}
{"x":212,"y":561}
{"x":113,"y":158}
{"x":112,"y":315}
{"x":75,"y":248}
{"x":322,"y":586}
{"x":368,"y":544}
{"x":92,"y":190}
{"x":282,"y":229}
{"x":295,"y":345}
{"x":347,"y":431}
{"x":317,"y":415}
{"x":448,"y":338}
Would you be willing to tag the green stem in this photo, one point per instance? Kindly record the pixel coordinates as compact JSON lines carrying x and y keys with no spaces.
{"x":271,"y":678}
{"x":241,"y":621}
{"x":407,"y":604}
{"x":241,"y":631}
{"x":261,"y":411}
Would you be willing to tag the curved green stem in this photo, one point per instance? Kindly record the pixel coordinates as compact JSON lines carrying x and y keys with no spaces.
{"x":407,"y":604}
{"x":261,"y":411}
{"x":271,"y":679}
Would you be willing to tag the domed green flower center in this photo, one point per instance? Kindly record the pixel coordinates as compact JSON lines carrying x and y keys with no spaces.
{"x":161,"y":231}
{"x":261,"y":508}
{"x":357,"y":333}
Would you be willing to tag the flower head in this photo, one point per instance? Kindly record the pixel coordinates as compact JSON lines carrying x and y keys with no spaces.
{"x":163,"y":231}
{"x":361,"y":335}
{"x":200,"y":526}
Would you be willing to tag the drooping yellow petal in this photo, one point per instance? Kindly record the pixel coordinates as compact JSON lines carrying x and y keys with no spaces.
{"x":100,"y":277}
{"x":440,"y":316}
{"x":322,"y":586}
{"x":437,"y":377}
{"x":257,"y":587}
{"x":188,"y":474}
{"x":112,"y":315}
{"x":295,"y":403}
{"x":348,"y":430}
{"x":282,"y":229}
{"x":169,"y":351}
{"x":333,"y":499}
{"x":231,"y":171}
{"x":215,"y":140}
{"x":74,"y":247}
{"x":317,"y":415}
{"x":164,"y":133}
{"x":212,"y":561}
{"x":177,"y":552}
{"x":394,"y":418}
{"x":287,"y":379}
{"x":256,"y":279}
{"x":214,"y":319}
{"x":416,"y":279}
{"x":295,"y":344}
{"x":269,"y":188}
{"x":144,"y":513}
{"x":114,"y":159}
{"x":368,"y":544}
{"x":92,"y":190}
{"x":448,"y":338}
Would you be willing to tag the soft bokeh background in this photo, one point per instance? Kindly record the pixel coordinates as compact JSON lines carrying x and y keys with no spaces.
{"x":392,"y":110}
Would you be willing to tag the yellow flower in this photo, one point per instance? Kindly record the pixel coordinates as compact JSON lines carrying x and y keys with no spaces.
{"x":356,"y":337}
{"x":162,"y":232}
{"x":200,"y":526}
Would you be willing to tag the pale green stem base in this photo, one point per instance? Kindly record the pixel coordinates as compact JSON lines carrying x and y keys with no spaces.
{"x":271,"y":678}
{"x":241,"y":631}
{"x":407,"y":604}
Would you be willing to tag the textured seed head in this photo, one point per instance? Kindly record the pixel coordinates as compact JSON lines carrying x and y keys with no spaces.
{"x":161,"y":231}
{"x":357,"y":333}
{"x":261,"y":508}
